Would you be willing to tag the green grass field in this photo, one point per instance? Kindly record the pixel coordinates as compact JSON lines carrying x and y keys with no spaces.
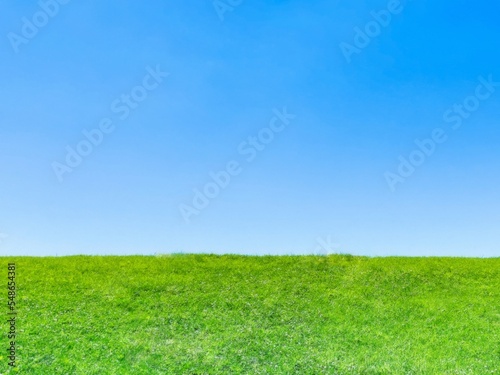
{"x":206,"y":314}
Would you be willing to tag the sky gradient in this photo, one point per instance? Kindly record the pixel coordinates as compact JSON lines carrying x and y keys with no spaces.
{"x":176,"y":92}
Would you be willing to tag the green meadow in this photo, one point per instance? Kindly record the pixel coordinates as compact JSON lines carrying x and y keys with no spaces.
{"x":207,"y":314}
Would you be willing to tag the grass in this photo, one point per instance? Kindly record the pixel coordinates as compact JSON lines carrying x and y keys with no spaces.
{"x":206,"y":314}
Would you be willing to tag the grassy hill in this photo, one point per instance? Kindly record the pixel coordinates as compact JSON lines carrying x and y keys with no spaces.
{"x":206,"y":314}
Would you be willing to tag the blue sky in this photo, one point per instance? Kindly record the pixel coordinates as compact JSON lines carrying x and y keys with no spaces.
{"x":321,"y":179}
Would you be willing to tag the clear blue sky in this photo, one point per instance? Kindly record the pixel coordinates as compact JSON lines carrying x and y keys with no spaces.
{"x":324,"y":176}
